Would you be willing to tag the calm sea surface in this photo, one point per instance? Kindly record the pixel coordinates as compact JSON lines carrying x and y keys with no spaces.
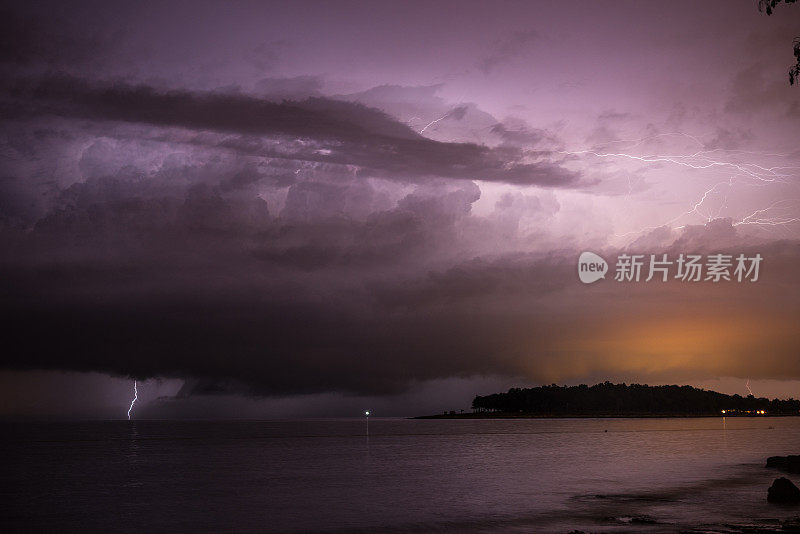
{"x":554,"y":475}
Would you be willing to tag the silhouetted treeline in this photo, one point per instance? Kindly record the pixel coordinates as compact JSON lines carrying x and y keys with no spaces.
{"x":622,"y":399}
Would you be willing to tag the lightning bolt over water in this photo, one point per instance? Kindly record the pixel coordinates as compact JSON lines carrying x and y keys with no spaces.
{"x":135,"y":398}
{"x":747,"y":385}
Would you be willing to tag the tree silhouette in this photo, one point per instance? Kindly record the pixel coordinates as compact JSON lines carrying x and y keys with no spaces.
{"x":609,"y":399}
{"x":768,"y":6}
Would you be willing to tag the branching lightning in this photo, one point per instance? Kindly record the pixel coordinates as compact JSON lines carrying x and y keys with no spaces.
{"x":135,"y":398}
{"x":741,"y":173}
{"x":757,"y":217}
{"x":747,"y":385}
{"x":698,"y":160}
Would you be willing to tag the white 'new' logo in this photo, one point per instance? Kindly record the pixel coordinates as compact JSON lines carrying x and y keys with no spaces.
{"x":591,"y":267}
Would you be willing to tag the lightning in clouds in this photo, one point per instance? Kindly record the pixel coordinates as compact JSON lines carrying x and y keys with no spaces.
{"x":699,"y":160}
{"x":741,"y":173}
{"x":709,"y":216}
{"x":707,"y":213}
{"x":443,"y":117}
{"x":135,"y":398}
{"x":760,"y":217}
{"x":457,"y":111}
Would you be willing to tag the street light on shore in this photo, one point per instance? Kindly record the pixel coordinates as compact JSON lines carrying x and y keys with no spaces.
{"x":366,"y":414}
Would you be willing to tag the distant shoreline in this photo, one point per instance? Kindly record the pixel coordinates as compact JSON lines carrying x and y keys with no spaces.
{"x":511,"y":415}
{"x":606,"y":399}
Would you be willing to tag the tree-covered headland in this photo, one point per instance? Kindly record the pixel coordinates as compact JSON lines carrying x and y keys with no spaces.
{"x":609,"y":399}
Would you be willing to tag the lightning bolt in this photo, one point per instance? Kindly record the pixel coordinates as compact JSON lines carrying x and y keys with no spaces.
{"x":749,"y":173}
{"x":698,"y":160}
{"x":695,"y":208}
{"x":747,"y":385}
{"x":757,"y":217}
{"x":135,"y":398}
{"x":443,"y":117}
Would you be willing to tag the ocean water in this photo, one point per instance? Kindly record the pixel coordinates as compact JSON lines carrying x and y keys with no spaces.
{"x":525,"y":475}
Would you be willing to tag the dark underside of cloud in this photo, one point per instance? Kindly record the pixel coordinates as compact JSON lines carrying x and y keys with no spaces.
{"x":316,"y":129}
{"x":197,"y":289}
{"x":275,"y":341}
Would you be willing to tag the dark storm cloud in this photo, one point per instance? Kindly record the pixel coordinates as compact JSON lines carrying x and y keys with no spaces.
{"x":298,"y":87}
{"x":342,"y":132}
{"x":184,"y":271}
{"x":28,"y":40}
{"x":177,"y":273}
{"x":212,"y":287}
{"x":480,"y":279}
{"x":292,"y":345}
{"x":520,"y":136}
{"x":164,"y":288}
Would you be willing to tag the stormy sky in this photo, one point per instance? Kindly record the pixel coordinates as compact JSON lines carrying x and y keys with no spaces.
{"x":308,"y":208}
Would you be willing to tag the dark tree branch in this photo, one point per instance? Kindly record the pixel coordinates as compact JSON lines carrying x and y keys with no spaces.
{"x":768,"y":6}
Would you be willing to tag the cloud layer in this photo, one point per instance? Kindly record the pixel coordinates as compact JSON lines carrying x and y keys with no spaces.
{"x":367,"y":205}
